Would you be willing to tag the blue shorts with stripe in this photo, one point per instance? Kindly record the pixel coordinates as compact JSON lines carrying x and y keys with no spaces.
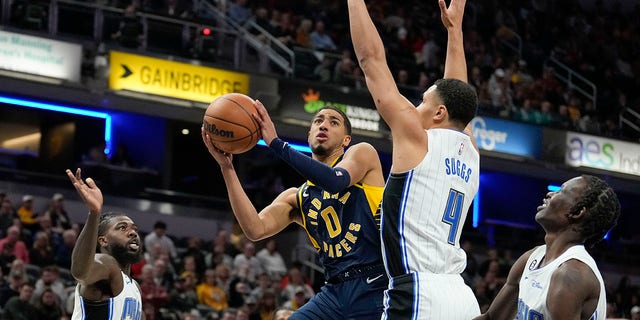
{"x":355,"y":299}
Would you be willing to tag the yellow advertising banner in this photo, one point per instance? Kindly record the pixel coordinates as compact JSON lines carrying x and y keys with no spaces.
{"x":173,"y":79}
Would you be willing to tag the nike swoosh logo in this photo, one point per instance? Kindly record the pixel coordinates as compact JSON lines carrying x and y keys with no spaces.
{"x":304,"y":193}
{"x":370,"y":280}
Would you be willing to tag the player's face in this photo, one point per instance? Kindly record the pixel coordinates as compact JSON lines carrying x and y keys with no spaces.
{"x":556,"y":205}
{"x":124,"y":241}
{"x":327,"y":132}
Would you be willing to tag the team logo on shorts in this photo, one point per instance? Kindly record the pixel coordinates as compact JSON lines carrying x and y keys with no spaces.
{"x":461,"y":148}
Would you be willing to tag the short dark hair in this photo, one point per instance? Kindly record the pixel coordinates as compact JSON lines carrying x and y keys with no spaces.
{"x":160,"y":225}
{"x":345,"y":119}
{"x":459,"y":97}
{"x":602,"y":204}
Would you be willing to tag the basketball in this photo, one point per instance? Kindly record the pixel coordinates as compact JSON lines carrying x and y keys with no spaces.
{"x":229,"y":123}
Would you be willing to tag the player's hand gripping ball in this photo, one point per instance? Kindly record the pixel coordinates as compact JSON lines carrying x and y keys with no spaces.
{"x":229,"y":123}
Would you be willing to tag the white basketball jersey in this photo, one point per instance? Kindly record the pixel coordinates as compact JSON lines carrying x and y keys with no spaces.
{"x":125,"y":306}
{"x":535,"y":282}
{"x":424,"y":209}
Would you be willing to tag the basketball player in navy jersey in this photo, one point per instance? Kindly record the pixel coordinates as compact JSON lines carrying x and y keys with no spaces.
{"x":560,"y":280}
{"x":105,"y":291}
{"x":434,"y":175}
{"x":337,"y":206}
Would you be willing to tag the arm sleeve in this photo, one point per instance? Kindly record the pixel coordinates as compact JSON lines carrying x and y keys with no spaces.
{"x":330,"y":179}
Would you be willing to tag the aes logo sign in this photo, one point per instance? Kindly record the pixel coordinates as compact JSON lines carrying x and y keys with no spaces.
{"x":602,"y":153}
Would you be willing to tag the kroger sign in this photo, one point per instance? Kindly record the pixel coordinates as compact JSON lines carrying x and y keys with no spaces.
{"x":507,"y":137}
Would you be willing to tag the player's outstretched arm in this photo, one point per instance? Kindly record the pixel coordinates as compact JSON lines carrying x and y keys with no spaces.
{"x":396,"y":110}
{"x":271,"y":219}
{"x":505,"y":305}
{"x":86,"y":267}
{"x":455,"y":64}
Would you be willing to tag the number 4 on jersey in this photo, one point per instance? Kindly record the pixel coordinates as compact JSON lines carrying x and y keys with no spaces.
{"x":452,"y":213}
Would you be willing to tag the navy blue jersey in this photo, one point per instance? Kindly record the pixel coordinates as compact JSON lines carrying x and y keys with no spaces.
{"x":343,"y":227}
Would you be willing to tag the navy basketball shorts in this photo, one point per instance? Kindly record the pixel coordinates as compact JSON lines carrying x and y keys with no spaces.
{"x":355,"y":299}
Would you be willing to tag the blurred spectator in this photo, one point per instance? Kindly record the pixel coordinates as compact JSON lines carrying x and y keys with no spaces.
{"x":298,"y":299}
{"x":343,"y":70}
{"x":239,"y":11}
{"x":498,"y":87}
{"x":121,"y":156}
{"x":282,"y":313}
{"x":303,"y":33}
{"x":217,"y":256}
{"x":48,"y":307}
{"x":159,"y":236}
{"x":295,"y":284}
{"x":58,"y":214}
{"x":320,"y":40}
{"x":13,"y":244}
{"x":223,"y":277}
{"x":263,"y":284}
{"x":19,"y":267}
{"x":129,"y":35}
{"x":11,"y":288}
{"x":28,"y":217}
{"x":240,"y":286}
{"x":285,"y":30}
{"x":41,"y":253}
{"x":183,"y":296}
{"x":50,"y":280}
{"x":228,"y":314}
{"x":267,"y":304}
{"x":563,"y":119}
{"x":248,"y":257}
{"x":63,"y":254}
{"x":154,"y":296}
{"x":194,"y":250}
{"x":7,"y":216}
{"x":223,"y":239}
{"x":429,"y":53}
{"x":20,"y":307}
{"x":163,"y":275}
{"x":249,"y":311}
{"x":176,"y":9}
{"x":189,"y":265}
{"x":96,"y":154}
{"x":210,"y":294}
{"x":635,"y":313}
{"x":271,"y":260}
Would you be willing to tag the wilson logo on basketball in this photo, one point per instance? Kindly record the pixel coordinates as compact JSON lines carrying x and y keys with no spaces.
{"x":211,"y":128}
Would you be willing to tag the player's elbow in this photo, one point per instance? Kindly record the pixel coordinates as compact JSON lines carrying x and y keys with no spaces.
{"x":78,"y":273}
{"x":254,"y":235}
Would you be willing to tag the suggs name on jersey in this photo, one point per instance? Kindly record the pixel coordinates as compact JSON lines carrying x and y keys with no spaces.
{"x":458,"y":168}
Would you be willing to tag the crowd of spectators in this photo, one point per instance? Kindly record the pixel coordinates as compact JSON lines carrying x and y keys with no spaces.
{"x":225,"y":278}
{"x":508,"y":45}
{"x":513,"y":80}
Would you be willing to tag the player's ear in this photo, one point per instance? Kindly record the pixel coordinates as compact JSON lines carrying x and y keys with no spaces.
{"x":578,"y":215}
{"x":441,"y":113}
{"x":346,"y":141}
{"x":102,"y":241}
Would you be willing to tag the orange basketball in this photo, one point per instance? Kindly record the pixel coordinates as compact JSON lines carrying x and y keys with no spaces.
{"x":229,"y":123}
